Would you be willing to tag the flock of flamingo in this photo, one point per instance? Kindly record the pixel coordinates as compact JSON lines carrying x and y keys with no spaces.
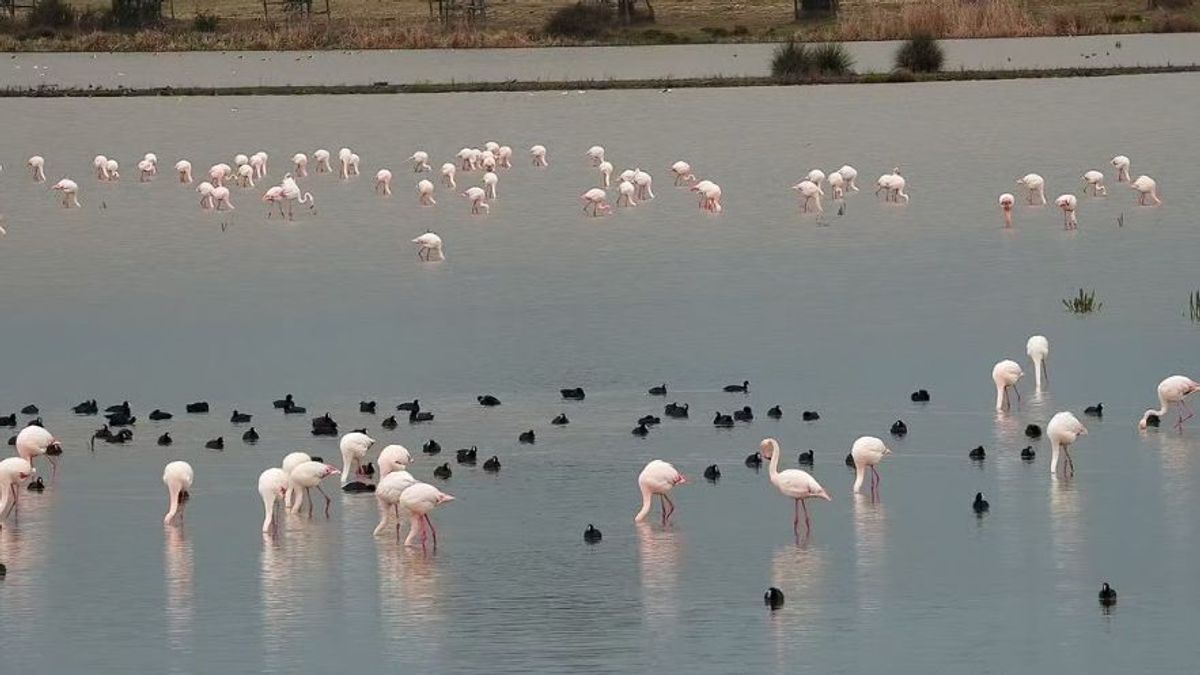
{"x":633,"y":185}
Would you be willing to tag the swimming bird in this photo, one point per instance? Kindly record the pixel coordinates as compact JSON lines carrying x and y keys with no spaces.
{"x":1006,"y":205}
{"x":1108,"y":595}
{"x":432,"y":447}
{"x":1068,"y":203}
{"x":1035,"y":185}
{"x":743,"y":388}
{"x":675,"y":410}
{"x":217,"y":443}
{"x":810,"y":415}
{"x":1063,"y":429}
{"x":1146,"y":188}
{"x":867,"y":452}
{"x":722,"y":420}
{"x":177,"y":476}
{"x":35,"y":441}
{"x":1172,"y":390}
{"x":754,"y":461}
{"x":366,"y":407}
{"x":430,"y":247}
{"x":492,"y":464}
{"x":1095,"y":181}
{"x":165,"y":439}
{"x":744,"y":415}
{"x":419,"y":500}
{"x":1038,"y":349}
{"x":86,"y":408}
{"x":641,"y":430}
{"x":1005,"y":375}
{"x":239,"y":417}
{"x":442,"y":471}
{"x":591,"y":535}
{"x":387,"y":495}
{"x":272,"y":487}
{"x":773,"y":598}
{"x":527,"y":437}
{"x":389,"y":422}
{"x":158,"y":415}
{"x":1121,"y":164}
{"x":980,"y":505}
{"x":775,"y":412}
{"x":488,"y":400}
{"x":1033,"y":431}
{"x":575,"y":394}
{"x":658,"y":478}
{"x":250,"y":436}
{"x":37,"y":485}
{"x":649,"y":420}
{"x":977,"y":454}
{"x":560,"y":420}
{"x":285,"y":402}
{"x":409,"y":406}
{"x":30,"y":409}
{"x":805,"y":458}
{"x":849,"y":460}
{"x":794,"y":483}
{"x":306,"y":476}
{"x":1028,"y":454}
{"x":712,"y":473}
{"x":197,"y":407}
{"x":70,"y":192}
{"x":8,"y":420}
{"x":354,"y":447}
{"x":899,"y":428}
{"x":467,"y":456}
{"x":1094,"y":410}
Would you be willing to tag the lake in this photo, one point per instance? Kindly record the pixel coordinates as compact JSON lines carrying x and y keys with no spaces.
{"x":141,"y":295}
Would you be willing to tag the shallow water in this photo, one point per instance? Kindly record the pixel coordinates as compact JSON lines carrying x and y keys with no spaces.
{"x":142,"y":296}
{"x":253,"y":69}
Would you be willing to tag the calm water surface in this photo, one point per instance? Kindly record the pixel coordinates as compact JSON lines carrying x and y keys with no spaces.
{"x":142,"y":296}
{"x":250,"y":69}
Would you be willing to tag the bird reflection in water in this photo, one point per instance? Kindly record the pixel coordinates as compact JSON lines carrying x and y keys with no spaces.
{"x":870,"y":522}
{"x":177,"y":563}
{"x":410,"y":600}
{"x":799,"y":572}
{"x":658,"y":551}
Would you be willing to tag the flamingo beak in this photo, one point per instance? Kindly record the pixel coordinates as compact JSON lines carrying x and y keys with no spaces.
{"x":825,"y":496}
{"x":445,"y":498}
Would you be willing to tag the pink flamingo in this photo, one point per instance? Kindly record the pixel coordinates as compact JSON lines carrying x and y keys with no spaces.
{"x":710,"y":195}
{"x":290,"y":462}
{"x":849,"y":173}
{"x":504,"y":157}
{"x":205,"y":190}
{"x":1062,"y":431}
{"x":272,"y":487}
{"x":538,"y":153}
{"x":838,"y":183}
{"x":1146,"y":188}
{"x":14,"y":471}
{"x":794,"y":483}
{"x":220,"y":198}
{"x":1068,"y":204}
{"x":1172,"y":390}
{"x":37,"y":165}
{"x":430,"y":247}
{"x":597,"y":199}
{"x":425,"y":193}
{"x":867,"y":452}
{"x":300,"y":164}
{"x":419,"y":499}
{"x":487,"y":160}
{"x":478,"y":199}
{"x":625,"y":194}
{"x":383,"y":181}
{"x":393,"y":458}
{"x":219,"y":174}
{"x":184,"y":169}
{"x":1005,"y":374}
{"x":34,"y":441}
{"x":100,"y":164}
{"x":1006,"y":205}
{"x":811,"y":191}
{"x":606,"y":169}
{"x":892,"y":184}
{"x":307,"y":476}
{"x":258,"y":162}
{"x":489,"y":184}
{"x":292,"y":193}
{"x":420,"y":160}
{"x":112,"y":170}
{"x":273,"y":197}
{"x":177,"y":476}
{"x":1121,"y":164}
{"x":644,"y":183}
{"x":349,"y":163}
{"x":657,"y":479}
{"x":1095,"y":181}
{"x":70,"y":192}
{"x":354,"y":447}
{"x":321,"y":155}
{"x":245,"y":176}
{"x":596,"y":154}
{"x":1036,"y":186}
{"x":682,"y":172}
{"x":146,"y":171}
{"x":448,"y":171}
{"x":387,"y":494}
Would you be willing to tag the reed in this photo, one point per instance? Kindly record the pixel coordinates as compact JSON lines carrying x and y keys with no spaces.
{"x":1194,"y":307}
{"x":1084,"y":303}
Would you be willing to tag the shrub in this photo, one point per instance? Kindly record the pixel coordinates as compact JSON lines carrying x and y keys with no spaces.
{"x":715,"y":33}
{"x":740,"y":30}
{"x":579,"y":21}
{"x":135,"y":13}
{"x":205,"y":23}
{"x":920,"y":54}
{"x":51,"y":14}
{"x":1175,"y":23}
{"x":1073,"y":23}
{"x":791,"y":60}
{"x":901,"y":75}
{"x":832,"y":58}
{"x":1169,"y":4}
{"x":1084,"y":303}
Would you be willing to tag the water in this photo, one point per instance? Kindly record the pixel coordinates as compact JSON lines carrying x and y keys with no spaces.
{"x":251,"y":69}
{"x":149,"y":299}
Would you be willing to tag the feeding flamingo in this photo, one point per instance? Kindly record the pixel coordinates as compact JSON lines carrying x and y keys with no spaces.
{"x":625,"y":194}
{"x":816,"y":176}
{"x":644,"y":183}
{"x":273,"y":197}
{"x":1095,"y":181}
{"x":710,"y":195}
{"x":290,"y":462}
{"x":1146,"y":188}
{"x":273,"y":485}
{"x":14,"y":471}
{"x":300,"y":164}
{"x":538,"y":153}
{"x":146,"y":171}
{"x":867,"y":452}
{"x":420,"y":160}
{"x":321,"y":155}
{"x":1006,"y":205}
{"x":387,"y":495}
{"x":37,"y":165}
{"x":34,"y":441}
{"x":597,"y":199}
{"x":596,"y":154}
{"x":838,"y":183}
{"x":205,"y":190}
{"x":1036,"y":187}
{"x":240,"y":160}
{"x":1121,"y":164}
{"x":849,"y":173}
{"x":348,"y":162}
{"x":430,"y":247}
{"x":1068,"y":204}
{"x":258,"y":162}
{"x":1172,"y":390}
{"x":794,"y":483}
{"x":419,"y":500}
{"x":1038,"y":348}
{"x":177,"y":476}
{"x":70,"y":192}
{"x":393,"y":458}
{"x":478,"y":199}
{"x":658,"y":478}
{"x":489,"y":184}
{"x":1062,"y":431}
{"x":811,"y":191}
{"x":504,"y":157}
{"x":184,"y":169}
{"x":1005,"y":374}
{"x":220,"y":198}
{"x":448,"y":171}
{"x":892,"y":184}
{"x":112,"y":170}
{"x":245,"y":176}
{"x":307,"y":476}
{"x":606,"y":169}
{"x":218,"y":174}
{"x":354,"y":447}
{"x":682,"y":172}
{"x":100,"y":164}
{"x":425,"y":193}
{"x":383,"y":182}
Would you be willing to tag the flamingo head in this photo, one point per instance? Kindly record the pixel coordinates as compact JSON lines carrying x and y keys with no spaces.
{"x":767,"y":447}
{"x":54,"y":449}
{"x":443,"y":498}
{"x":822,"y":494}
{"x":330,"y":471}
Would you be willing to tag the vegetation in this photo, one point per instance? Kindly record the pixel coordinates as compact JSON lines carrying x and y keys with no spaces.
{"x":1194,"y":306}
{"x":52,"y":14}
{"x":792,"y":61}
{"x":580,"y":21}
{"x":921,"y":54}
{"x":1084,"y":303}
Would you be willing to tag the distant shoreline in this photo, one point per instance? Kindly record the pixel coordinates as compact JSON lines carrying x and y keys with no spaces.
{"x":595,"y":85}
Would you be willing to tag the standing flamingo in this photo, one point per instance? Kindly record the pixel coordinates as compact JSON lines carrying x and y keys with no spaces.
{"x":184,"y":169}
{"x":321,"y":155}
{"x":14,"y":471}
{"x":290,"y":462}
{"x":146,"y":170}
{"x":504,"y":157}
{"x":387,"y":495}
{"x":205,"y":190}
{"x":1006,"y":205}
{"x":309,"y":475}
{"x":1146,"y":188}
{"x":478,"y":199}
{"x":1035,"y":185}
{"x":596,"y":154}
{"x":177,"y":476}
{"x":794,"y":483}
{"x":245,"y":176}
{"x":354,"y":447}
{"x":273,"y":197}
{"x":1121,"y":164}
{"x":644,"y":183}
{"x":1005,"y":374}
{"x":489,"y":184}
{"x":868,"y":452}
{"x":100,"y":164}
{"x":419,"y":499}
{"x":538,"y":153}
{"x":597,"y":199}
{"x":70,"y":192}
{"x":420,"y":160}
{"x":240,"y":160}
{"x":487,"y":160}
{"x":37,"y":166}
{"x":393,"y":458}
{"x":219,"y":174}
{"x":657,"y":479}
{"x":1068,"y":204}
{"x":112,"y":170}
{"x":34,"y":441}
{"x":383,"y":182}
{"x":220,"y":198}
{"x":292,"y":193}
{"x":1062,"y":431}
{"x":625,"y":194}
{"x":1174,"y":389}
{"x":893,"y":185}
{"x":425,"y":193}
{"x":682,"y":172}
{"x":849,"y":173}
{"x":606,"y":169}
{"x":300,"y":164}
{"x":258,"y":162}
{"x":838,"y":183}
{"x":273,"y":485}
{"x":448,"y":171}
{"x":710,"y":195}
{"x":811,"y":191}
{"x":1095,"y":181}
{"x":349,"y":163}
{"x":816,"y":176}
{"x":1038,"y":348}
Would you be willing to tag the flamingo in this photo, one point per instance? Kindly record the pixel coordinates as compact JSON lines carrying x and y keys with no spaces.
{"x":37,"y":166}
{"x":1174,"y":389}
{"x":487,"y":160}
{"x":1006,"y":205}
{"x":100,"y":164}
{"x":538,"y":153}
{"x":892,"y":184}
{"x":420,"y":160}
{"x":489,"y":184}
{"x":34,"y":441}
{"x":644,"y":183}
{"x":596,"y":154}
{"x":1062,"y":430}
{"x":70,"y":192}
{"x":258,"y":162}
{"x":146,"y":171}
{"x":466,"y":159}
{"x":1038,"y":348}
{"x":606,"y":169}
{"x":657,"y":479}
{"x":292,"y":193}
{"x":245,"y":176}
{"x":321,"y":155}
{"x":393,"y":458}
{"x":811,"y":191}
{"x":1121,"y":164}
{"x":300,"y":164}
{"x":1095,"y":181}
{"x":478,"y":199}
{"x":184,"y":169}
{"x":290,"y":462}
{"x":348,"y":162}
{"x":682,"y":172}
{"x":1005,"y":374}
{"x":383,"y":182}
{"x":625,"y":194}
{"x":387,"y":495}
{"x":354,"y":447}
{"x":1068,"y":204}
{"x":849,"y":173}
{"x":838,"y":183}
{"x":491,"y":146}
{"x":274,"y":197}
{"x":205,"y":190}
{"x":309,"y":475}
{"x":220,"y":198}
{"x":14,"y":471}
{"x":448,"y":171}
{"x":504,"y":157}
{"x":1035,"y":185}
{"x":218,"y":174}
{"x":152,"y":158}
{"x":425,"y":193}
{"x":1146,"y":187}
{"x":817,"y":176}
{"x":419,"y":499}
{"x":868,"y":452}
{"x":794,"y":483}
{"x":240,"y":160}
{"x":597,"y":199}
{"x":273,"y":485}
{"x":112,"y":170}
{"x":177,"y":476}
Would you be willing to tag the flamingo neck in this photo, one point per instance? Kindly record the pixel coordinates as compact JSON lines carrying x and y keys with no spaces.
{"x":1055,"y":450}
{"x":174,"y":503}
{"x":1037,"y":371}
{"x":1000,"y":395}
{"x":646,"y":502}
{"x":773,"y":466}
{"x":859,"y":473}
{"x":269,"y":511}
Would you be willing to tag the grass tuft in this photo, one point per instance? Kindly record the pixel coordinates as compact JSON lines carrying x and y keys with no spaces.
{"x":1084,"y":303}
{"x":921,"y":54}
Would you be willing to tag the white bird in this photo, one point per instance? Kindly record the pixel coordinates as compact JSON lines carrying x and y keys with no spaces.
{"x":112,"y":170}
{"x":710,"y":195}
{"x":241,"y":160}
{"x":393,"y":458}
{"x":810,"y":191}
{"x":538,"y":153}
{"x":177,"y":476}
{"x":867,"y":452}
{"x":307,"y":476}
{"x":34,"y":441}
{"x":597,"y":199}
{"x":37,"y":166}
{"x":70,"y":192}
{"x":504,"y":157}
{"x":644,"y":183}
{"x":245,"y":176}
{"x":218,"y":174}
{"x":425,"y":192}
{"x":658,"y":478}
{"x":1121,"y":164}
{"x":205,"y":190}
{"x":14,"y":471}
{"x":849,"y":173}
{"x":184,"y":169}
{"x":1068,"y":203}
{"x":419,"y":499}
{"x":1062,"y":431}
{"x":348,"y":162}
{"x":258,"y":162}
{"x":1038,"y":348}
{"x":892,"y":184}
{"x":596,"y":154}
{"x":430,"y":247}
{"x":489,"y":184}
{"x":626,"y":192}
{"x":420,"y":160}
{"x":1005,"y":374}
{"x":794,"y":483}
{"x":383,"y":182}
{"x":354,"y":447}
{"x":838,"y":183}
{"x":387,"y":495}
{"x":682,"y":172}
{"x":1095,"y":181}
{"x":290,"y":462}
{"x":606,"y":169}
{"x":273,"y":485}
{"x":448,"y":171}
{"x":1006,"y":205}
{"x":300,"y":164}
{"x":1146,"y":187}
{"x":321,"y":155}
{"x":1035,"y":185}
{"x":817,"y":176}
{"x":1174,"y":389}
{"x":100,"y":164}
{"x":478,"y":199}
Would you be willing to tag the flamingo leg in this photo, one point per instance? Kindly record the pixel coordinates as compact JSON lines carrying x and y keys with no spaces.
{"x":796,"y":519}
{"x":1018,"y":393}
{"x":667,"y":514}
{"x":328,"y":501}
{"x":1182,"y":418}
{"x":807,"y":522}
{"x":308,"y":498}
{"x":432,"y":530}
